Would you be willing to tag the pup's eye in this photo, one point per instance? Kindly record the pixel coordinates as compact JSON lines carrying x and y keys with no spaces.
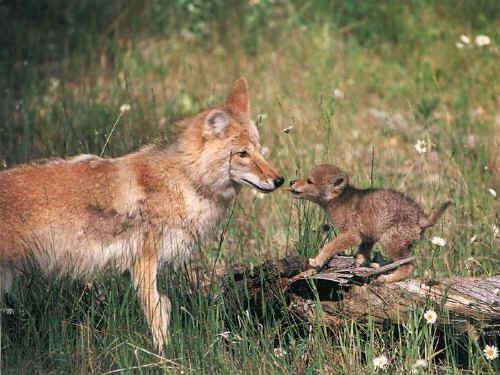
{"x":309,"y":181}
{"x":243,"y":154}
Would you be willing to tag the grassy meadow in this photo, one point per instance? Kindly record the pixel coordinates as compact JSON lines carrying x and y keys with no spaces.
{"x":399,"y":94}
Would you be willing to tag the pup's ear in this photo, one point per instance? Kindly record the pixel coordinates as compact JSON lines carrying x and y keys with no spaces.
{"x":238,"y":97}
{"x":336,"y":186}
{"x":216,"y":123}
{"x":340,"y":181}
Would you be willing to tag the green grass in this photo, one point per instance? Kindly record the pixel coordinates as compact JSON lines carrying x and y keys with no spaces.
{"x":67,"y":67}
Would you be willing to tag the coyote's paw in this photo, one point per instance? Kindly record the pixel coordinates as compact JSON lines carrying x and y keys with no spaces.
{"x":382,"y":279}
{"x":377,"y":282}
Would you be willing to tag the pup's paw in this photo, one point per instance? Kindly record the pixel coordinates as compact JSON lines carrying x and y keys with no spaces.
{"x":315,"y":263}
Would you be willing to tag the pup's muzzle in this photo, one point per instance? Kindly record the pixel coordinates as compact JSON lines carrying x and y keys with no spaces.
{"x":290,"y":187}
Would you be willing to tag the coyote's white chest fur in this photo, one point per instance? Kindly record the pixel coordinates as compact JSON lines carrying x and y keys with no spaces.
{"x":198,"y":223}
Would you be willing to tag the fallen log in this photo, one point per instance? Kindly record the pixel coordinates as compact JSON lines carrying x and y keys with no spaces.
{"x":345,"y":290}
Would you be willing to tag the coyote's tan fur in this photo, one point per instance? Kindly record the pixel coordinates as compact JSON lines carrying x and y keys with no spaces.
{"x":365,"y":217}
{"x":155,"y":205}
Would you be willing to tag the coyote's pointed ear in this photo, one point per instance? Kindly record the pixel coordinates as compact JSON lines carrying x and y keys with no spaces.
{"x":216,"y":123}
{"x":238,"y":97}
{"x":340,"y":181}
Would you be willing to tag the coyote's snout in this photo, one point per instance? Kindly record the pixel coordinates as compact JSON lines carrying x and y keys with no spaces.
{"x":249,"y":168}
{"x":82,"y":214}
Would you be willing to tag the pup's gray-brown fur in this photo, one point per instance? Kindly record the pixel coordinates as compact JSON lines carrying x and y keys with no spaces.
{"x":365,"y":216}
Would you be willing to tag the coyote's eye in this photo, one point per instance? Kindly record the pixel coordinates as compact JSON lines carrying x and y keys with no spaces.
{"x":243,"y":154}
{"x":309,"y":181}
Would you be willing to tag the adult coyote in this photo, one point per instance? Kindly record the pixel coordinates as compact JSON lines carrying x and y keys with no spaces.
{"x":155,"y":205}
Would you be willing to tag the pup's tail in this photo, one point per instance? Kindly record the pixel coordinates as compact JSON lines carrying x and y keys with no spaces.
{"x":426,"y":223}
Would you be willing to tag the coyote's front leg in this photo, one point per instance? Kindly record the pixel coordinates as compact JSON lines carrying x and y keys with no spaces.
{"x":156,"y":308}
{"x":342,"y":242}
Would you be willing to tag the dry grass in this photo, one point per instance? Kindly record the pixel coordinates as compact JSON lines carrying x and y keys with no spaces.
{"x":388,"y":97}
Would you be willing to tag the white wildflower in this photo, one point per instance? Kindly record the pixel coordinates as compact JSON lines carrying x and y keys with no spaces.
{"x":482,"y":40}
{"x":421,"y":146}
{"x":492,"y":192}
{"x":474,"y":238}
{"x":438,"y":241}
{"x":225,"y":335}
{"x":421,"y":363}
{"x":125,"y":108}
{"x":230,"y":337}
{"x":430,"y":316}
{"x":54,"y":84}
{"x":465,"y":39}
{"x":338,"y":94}
{"x":495,"y":230}
{"x":236,"y":339}
{"x":470,"y":261}
{"x":264,"y":150}
{"x":380,"y":362}
{"x":287,"y":130}
{"x":496,"y":292}
{"x":459,"y":45}
{"x":491,"y":352}
{"x":279,"y":352}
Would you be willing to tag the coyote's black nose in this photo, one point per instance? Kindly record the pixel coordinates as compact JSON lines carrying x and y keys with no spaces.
{"x":278,"y":181}
{"x":292,"y":182}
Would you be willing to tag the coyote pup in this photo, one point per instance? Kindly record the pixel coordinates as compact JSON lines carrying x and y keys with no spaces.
{"x":137,"y":211}
{"x":364,"y":216}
